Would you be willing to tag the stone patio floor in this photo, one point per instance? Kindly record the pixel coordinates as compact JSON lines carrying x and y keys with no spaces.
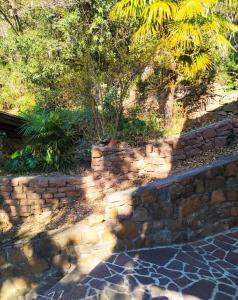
{"x":207,"y":269}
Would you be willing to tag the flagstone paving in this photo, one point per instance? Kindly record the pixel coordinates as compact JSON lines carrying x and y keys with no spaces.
{"x":207,"y":269}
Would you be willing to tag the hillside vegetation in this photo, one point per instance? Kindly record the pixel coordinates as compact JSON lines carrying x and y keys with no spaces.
{"x":82,"y":72}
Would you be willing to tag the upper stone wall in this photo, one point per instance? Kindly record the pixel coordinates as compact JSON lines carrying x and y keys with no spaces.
{"x":157,"y":159}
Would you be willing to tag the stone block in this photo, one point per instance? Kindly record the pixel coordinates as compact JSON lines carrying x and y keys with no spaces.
{"x":141,"y":215}
{"x":59,"y":195}
{"x":234,"y":212}
{"x":33,"y":196}
{"x":231,"y":169}
{"x":95,"y":219}
{"x":127,"y":230}
{"x":232,"y":184}
{"x":220,"y":141}
{"x":89,"y":236}
{"x":217,"y":197}
{"x":147,"y":196}
{"x":5,"y":188}
{"x":209,"y":133}
{"x":38,"y":265}
{"x":191,"y":205}
{"x":47,"y":196}
{"x":208,"y":146}
{"x":15,"y":255}
{"x":62,"y":262}
{"x":232,"y":195}
{"x":57,"y":181}
{"x":112,"y":213}
{"x":125,"y":211}
{"x":176,"y":190}
{"x":199,"y":186}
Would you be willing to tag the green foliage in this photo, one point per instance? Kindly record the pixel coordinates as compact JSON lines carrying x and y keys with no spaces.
{"x":51,"y":139}
{"x":186,"y":33}
{"x":23,"y":161}
{"x":140,"y":126}
{"x":227,"y":72}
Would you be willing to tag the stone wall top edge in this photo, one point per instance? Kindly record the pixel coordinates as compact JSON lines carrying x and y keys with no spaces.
{"x":107,"y":149}
{"x":45,"y":177}
{"x":176,"y":178}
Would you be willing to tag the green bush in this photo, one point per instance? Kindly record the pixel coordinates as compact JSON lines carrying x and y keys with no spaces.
{"x":139,"y":127}
{"x":51,"y":141}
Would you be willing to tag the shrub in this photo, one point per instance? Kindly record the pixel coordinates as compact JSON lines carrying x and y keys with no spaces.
{"x":52,"y":137}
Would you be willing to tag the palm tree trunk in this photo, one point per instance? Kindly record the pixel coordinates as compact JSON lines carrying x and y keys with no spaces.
{"x":168,"y":106}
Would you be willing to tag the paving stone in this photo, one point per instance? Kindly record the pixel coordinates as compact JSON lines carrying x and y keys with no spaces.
{"x":207,"y":269}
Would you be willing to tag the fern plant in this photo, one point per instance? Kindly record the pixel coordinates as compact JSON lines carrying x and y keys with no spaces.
{"x":50,"y":137}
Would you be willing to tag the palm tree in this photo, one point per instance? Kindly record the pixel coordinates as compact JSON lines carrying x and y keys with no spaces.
{"x":186,"y":34}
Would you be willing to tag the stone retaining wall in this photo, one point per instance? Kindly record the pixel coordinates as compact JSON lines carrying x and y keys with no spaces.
{"x":113,"y":168}
{"x":184,"y":207}
{"x":157,"y":159}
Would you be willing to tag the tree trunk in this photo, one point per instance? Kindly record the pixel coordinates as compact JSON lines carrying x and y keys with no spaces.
{"x":168,"y":106}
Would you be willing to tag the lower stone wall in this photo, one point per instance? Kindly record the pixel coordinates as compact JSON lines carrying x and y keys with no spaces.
{"x":182,"y":208}
{"x":179,"y":209}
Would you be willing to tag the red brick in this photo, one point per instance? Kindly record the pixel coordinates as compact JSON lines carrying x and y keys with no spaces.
{"x":234,"y":212}
{"x":96,"y":152}
{"x":17,"y":189}
{"x":57,"y":181}
{"x":33,"y":196}
{"x":66,"y":189}
{"x":47,"y":196}
{"x":39,"y":182}
{"x":18,"y":196}
{"x":24,"y":202}
{"x":217,"y":197}
{"x":59,"y":195}
{"x":5,"y":181}
{"x":74,"y":180}
{"x":15,"y":181}
{"x":37,"y":190}
{"x":72,"y":194}
{"x":5,"y":188}
{"x":51,"y":190}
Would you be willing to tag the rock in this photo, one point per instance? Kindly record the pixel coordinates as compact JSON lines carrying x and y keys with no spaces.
{"x":217,"y":197}
{"x":141,"y":214}
{"x":127,"y":230}
{"x":12,"y":288}
{"x":125,"y":211}
{"x":95,"y":219}
{"x":38,"y":265}
{"x":147,"y":197}
{"x":231,"y":170}
{"x":199,"y":186}
{"x":112,"y":213}
{"x":190,"y":205}
{"x":232,"y":195}
{"x":209,"y":133}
